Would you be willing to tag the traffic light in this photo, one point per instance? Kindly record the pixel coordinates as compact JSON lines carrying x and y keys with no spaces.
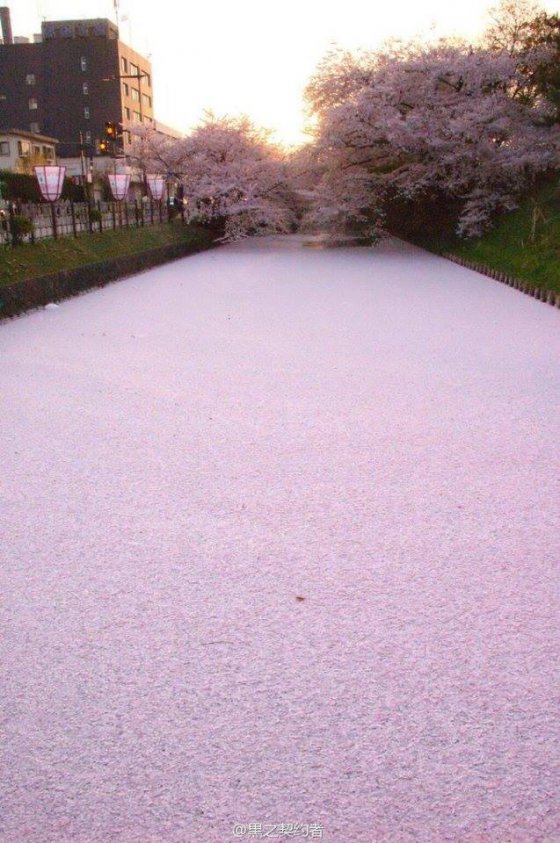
{"x":112,"y":142}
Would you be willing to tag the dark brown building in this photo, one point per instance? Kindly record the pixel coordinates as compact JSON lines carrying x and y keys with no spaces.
{"x":70,"y":81}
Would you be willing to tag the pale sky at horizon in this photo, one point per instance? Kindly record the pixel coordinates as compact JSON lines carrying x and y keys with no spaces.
{"x":235,"y":59}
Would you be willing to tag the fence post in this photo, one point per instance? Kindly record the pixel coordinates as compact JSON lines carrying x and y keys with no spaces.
{"x":32,"y":216}
{"x":73,"y":212}
{"x":53,"y":218}
{"x":100,"y":215}
{"x":11,"y":226}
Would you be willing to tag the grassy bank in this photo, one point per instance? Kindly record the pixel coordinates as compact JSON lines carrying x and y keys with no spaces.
{"x":32,"y":261}
{"x":524,"y":244}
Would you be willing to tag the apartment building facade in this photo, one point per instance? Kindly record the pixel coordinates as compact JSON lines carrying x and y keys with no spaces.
{"x":20,"y":150}
{"x":70,"y":80}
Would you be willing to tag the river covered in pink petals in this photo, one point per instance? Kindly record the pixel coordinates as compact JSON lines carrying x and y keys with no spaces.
{"x":280,"y":531}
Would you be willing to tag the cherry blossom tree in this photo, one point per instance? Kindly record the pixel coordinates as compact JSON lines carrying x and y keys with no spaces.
{"x":156,"y":152}
{"x":232,"y":176}
{"x":413,"y":121}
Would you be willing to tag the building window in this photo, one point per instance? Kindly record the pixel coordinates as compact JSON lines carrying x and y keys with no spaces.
{"x":126,"y":90}
{"x":85,"y":89}
{"x":129,"y":137}
{"x":124,"y":65}
{"x":137,"y":118}
{"x":86,"y":112}
{"x":147,"y":100}
{"x":127,"y":113}
{"x":33,"y":104}
{"x":24,"y":147}
{"x":83,"y":64}
{"x":30,"y":79}
{"x":147,"y":80}
{"x":133,"y":69}
{"x":34,"y":127}
{"x":4,"y":147}
{"x":134,"y":94}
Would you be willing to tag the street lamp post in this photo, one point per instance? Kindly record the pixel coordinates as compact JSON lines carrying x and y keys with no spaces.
{"x":51,"y":181}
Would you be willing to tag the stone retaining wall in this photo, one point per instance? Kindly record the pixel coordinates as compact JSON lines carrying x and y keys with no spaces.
{"x":36,"y":292}
{"x":547,"y":296}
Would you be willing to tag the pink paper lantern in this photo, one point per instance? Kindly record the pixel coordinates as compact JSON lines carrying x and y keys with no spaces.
{"x":157,"y":186}
{"x":51,"y":180}
{"x":119,"y":183}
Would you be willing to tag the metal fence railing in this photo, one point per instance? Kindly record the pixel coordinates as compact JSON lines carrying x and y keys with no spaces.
{"x":67,"y":218}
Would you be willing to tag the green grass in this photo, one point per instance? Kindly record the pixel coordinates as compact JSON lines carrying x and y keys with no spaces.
{"x":524,"y":244}
{"x":30,"y":261}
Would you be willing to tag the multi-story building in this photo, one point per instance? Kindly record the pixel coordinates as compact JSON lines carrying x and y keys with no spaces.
{"x":20,"y":150}
{"x":70,"y":80}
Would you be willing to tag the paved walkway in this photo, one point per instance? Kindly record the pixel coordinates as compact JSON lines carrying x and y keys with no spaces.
{"x":280,"y":529}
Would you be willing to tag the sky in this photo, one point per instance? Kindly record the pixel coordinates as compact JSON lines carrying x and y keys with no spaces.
{"x":252,"y":57}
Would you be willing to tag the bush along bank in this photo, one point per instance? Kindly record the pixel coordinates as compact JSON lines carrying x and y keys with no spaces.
{"x":29,"y":293}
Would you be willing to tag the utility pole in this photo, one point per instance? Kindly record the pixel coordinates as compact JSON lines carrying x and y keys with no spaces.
{"x":83,"y":166}
{"x":139,"y":75}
